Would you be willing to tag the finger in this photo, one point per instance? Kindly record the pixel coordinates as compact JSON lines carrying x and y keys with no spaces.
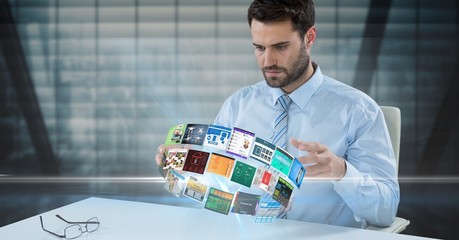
{"x":158,"y":158}
{"x":308,"y":146}
{"x":317,"y":170}
{"x":163,"y":149}
{"x":297,"y":143}
{"x":314,"y":147}
{"x":308,"y":160}
{"x":159,"y":153}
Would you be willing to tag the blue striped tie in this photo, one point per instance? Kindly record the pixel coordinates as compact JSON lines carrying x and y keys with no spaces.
{"x":280,"y":124}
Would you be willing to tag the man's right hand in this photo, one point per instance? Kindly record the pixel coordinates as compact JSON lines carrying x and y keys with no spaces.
{"x":162,"y":149}
{"x":160,"y":153}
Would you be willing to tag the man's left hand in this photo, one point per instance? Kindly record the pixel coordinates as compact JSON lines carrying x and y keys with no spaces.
{"x":320,"y":162}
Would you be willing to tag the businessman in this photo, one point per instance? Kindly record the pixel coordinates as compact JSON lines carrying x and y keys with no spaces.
{"x":336,"y":131}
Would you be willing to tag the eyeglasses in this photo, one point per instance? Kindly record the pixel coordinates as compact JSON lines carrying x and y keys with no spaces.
{"x":75,"y":229}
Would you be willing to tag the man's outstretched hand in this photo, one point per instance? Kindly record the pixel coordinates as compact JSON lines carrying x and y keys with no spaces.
{"x":320,"y":162}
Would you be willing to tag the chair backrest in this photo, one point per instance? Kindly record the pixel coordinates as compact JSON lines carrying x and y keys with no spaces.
{"x":393,"y":119}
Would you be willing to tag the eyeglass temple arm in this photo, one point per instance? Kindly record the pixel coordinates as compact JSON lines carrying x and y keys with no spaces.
{"x":58,"y":216}
{"x":46,"y":230}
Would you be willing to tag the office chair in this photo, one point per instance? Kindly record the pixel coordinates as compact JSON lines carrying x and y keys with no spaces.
{"x":393,"y":120}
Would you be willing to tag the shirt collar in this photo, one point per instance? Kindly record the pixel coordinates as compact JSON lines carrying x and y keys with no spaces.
{"x":302,"y":94}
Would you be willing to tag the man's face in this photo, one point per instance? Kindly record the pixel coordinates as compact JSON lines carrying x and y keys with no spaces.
{"x":282,"y":55}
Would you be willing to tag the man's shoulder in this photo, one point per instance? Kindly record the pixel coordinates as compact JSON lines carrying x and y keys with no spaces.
{"x":256,"y":89}
{"x":341,"y":92}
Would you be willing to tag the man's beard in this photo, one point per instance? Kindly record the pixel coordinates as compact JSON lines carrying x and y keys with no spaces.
{"x":298,"y":68}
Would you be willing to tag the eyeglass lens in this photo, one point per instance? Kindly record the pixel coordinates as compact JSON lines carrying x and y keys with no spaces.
{"x":74,"y":231}
{"x":92,"y":224}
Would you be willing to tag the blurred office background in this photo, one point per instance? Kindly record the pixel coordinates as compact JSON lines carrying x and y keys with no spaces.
{"x":89,"y":88}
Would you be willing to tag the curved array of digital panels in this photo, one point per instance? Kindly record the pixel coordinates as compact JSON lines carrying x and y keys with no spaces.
{"x":266,"y":175}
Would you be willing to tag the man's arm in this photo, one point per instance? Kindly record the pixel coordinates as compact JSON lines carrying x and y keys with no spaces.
{"x":367,"y":180}
{"x":370,"y":187}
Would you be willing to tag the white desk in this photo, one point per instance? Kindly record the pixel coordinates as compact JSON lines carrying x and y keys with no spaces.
{"x":135,"y":220}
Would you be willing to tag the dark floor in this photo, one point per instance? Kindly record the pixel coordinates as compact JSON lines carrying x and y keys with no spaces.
{"x":433,"y":209}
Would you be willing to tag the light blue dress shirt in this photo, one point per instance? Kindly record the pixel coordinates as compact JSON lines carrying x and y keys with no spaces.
{"x":351,"y":124}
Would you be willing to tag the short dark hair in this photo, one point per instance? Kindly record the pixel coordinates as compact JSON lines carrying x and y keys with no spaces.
{"x":300,"y":12}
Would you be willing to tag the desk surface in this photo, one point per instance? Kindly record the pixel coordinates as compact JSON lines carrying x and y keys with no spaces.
{"x":135,"y":220}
